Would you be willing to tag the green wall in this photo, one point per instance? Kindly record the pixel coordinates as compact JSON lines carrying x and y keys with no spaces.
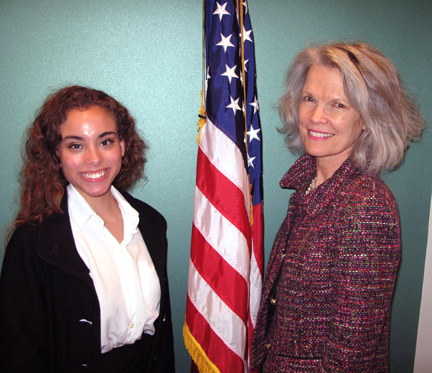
{"x":147,"y":54}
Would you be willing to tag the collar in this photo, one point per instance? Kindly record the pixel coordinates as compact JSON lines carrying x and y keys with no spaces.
{"x":56,"y":245}
{"x":130,"y":216}
{"x":79,"y":209}
{"x":81,"y":212}
{"x":300,"y":175}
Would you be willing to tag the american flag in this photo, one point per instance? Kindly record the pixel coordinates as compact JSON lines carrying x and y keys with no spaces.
{"x":226,"y":266}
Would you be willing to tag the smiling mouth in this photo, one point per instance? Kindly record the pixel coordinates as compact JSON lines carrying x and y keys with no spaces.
{"x":320,"y":134}
{"x":95,"y":175}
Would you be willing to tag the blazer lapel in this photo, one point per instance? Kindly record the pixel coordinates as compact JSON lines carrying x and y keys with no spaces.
{"x":56,"y":245}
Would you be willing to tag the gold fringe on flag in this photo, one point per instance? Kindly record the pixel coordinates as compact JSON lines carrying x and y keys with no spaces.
{"x":198,"y":355}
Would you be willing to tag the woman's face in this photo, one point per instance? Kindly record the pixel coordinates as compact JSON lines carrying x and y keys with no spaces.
{"x":90,"y":151}
{"x":329,"y":125}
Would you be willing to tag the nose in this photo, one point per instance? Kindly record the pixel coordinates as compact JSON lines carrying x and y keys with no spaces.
{"x":93,"y":156}
{"x":318,"y":115}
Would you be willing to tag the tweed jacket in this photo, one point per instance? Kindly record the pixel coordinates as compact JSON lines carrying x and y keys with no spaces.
{"x":337,"y":253}
{"x":49,"y":310}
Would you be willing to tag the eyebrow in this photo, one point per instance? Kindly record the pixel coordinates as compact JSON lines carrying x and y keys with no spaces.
{"x":72,"y":137}
{"x":337,"y":98}
{"x":107,"y":134}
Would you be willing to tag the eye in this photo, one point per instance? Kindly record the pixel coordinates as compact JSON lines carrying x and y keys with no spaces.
{"x":107,"y":142}
{"x":339,"y":105}
{"x":308,"y":99}
{"x":74,"y":146}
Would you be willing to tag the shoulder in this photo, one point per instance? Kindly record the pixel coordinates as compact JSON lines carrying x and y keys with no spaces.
{"x":147,"y":212}
{"x":24,"y":236}
{"x":369,"y":200}
{"x":28,"y":236}
{"x":370,"y":188}
{"x":21,"y":251}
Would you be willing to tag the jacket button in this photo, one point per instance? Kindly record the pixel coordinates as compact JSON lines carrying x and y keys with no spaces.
{"x":87,"y":368}
{"x":268,"y":346}
{"x":273,"y":301}
{"x":164,"y":319}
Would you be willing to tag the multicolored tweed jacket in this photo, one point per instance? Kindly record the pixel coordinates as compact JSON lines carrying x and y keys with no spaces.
{"x":338,"y":251}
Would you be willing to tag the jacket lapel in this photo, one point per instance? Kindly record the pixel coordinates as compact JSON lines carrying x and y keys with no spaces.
{"x":56,"y":245}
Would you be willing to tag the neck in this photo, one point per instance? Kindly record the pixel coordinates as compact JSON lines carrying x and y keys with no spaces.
{"x":108,"y":210}
{"x":103,"y":205}
{"x":326,"y":169}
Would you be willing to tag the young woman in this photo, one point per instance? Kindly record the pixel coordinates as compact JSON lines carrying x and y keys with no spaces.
{"x":84,"y":284}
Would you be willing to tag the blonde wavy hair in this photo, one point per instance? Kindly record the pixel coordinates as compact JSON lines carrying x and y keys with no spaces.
{"x":373,"y":86}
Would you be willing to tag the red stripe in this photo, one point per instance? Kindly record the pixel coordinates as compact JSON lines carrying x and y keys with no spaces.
{"x":225,"y":281}
{"x":227,"y":198}
{"x":257,"y":236}
{"x":250,"y":333}
{"x":216,"y":350}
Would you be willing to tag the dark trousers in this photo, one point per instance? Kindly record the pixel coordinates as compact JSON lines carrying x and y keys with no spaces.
{"x":129,"y":358}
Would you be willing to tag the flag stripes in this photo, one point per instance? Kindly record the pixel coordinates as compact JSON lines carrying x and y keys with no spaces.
{"x":219,"y":358}
{"x":226,"y":264}
{"x":215,"y":271}
{"x":219,"y":272}
{"x":224,"y":323}
{"x":208,"y":221}
{"x":223,"y":195}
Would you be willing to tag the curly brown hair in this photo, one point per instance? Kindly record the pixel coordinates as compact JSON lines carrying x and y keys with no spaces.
{"x":43,"y":183}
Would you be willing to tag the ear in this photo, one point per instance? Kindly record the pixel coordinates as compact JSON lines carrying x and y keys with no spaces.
{"x":58,"y":156}
{"x":122,"y":147}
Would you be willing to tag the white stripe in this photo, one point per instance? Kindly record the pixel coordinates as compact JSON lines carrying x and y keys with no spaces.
{"x":226,"y":157}
{"x":223,"y":321}
{"x":255,"y":292}
{"x":221,"y":234}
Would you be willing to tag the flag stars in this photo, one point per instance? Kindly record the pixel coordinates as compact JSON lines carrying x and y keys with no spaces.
{"x":234,"y":105}
{"x":253,"y":134}
{"x":221,"y":11}
{"x":255,"y":104}
{"x":246,"y":35}
{"x":230,"y":72}
{"x":245,"y":63}
{"x":250,"y":161}
{"x":225,"y":42}
{"x":246,"y":6}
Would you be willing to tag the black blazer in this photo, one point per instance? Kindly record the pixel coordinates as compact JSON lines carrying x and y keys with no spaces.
{"x":49,"y":310}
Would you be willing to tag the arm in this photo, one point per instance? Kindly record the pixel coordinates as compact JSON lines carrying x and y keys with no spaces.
{"x":366,"y":262}
{"x":163,"y":357}
{"x":22,"y":310}
{"x":163,"y":360}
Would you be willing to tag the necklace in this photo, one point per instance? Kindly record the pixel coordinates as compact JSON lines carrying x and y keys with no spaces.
{"x":311,"y":186}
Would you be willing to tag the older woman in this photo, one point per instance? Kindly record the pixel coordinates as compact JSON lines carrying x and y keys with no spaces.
{"x":331,"y":273}
{"x":84,"y":284}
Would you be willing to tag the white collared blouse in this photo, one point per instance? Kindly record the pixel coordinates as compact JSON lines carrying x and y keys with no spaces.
{"x":123,"y":273}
